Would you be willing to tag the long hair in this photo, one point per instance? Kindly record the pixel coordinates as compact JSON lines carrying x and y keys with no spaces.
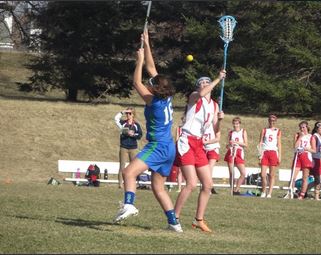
{"x":306,"y":123}
{"x":161,"y":86}
{"x":316,"y":126}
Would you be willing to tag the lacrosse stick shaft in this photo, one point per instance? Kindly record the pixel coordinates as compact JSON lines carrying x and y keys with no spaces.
{"x":232,"y":170}
{"x":146,"y":21}
{"x":223,"y":80}
{"x":292,"y":174}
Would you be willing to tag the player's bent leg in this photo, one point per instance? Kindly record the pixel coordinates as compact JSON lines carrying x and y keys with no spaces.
{"x":165,"y":202}
{"x":130,"y":173}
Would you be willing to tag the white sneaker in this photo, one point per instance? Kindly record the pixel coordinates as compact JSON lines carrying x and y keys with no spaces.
{"x":263,"y":194}
{"x":126,"y":211}
{"x":177,"y":228}
{"x":268,"y":196}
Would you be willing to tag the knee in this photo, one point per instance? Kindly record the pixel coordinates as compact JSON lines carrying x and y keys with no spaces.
{"x":207,"y":186}
{"x":127,"y":174}
{"x":191,"y":186}
{"x":272,"y":175}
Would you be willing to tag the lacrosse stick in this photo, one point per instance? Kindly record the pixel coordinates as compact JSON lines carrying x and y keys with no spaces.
{"x":233,"y":152}
{"x":149,"y":3}
{"x":260,"y":152}
{"x":290,"y":191}
{"x":227,"y":24}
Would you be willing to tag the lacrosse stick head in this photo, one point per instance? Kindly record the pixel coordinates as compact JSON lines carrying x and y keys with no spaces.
{"x":227,"y":24}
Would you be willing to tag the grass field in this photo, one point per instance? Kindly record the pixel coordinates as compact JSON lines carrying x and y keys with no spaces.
{"x":40,"y":218}
{"x":38,"y":130}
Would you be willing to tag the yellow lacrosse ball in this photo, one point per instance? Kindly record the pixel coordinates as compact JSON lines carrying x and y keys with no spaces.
{"x":189,"y":58}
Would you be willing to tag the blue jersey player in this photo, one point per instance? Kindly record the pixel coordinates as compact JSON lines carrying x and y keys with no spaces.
{"x":159,"y":153}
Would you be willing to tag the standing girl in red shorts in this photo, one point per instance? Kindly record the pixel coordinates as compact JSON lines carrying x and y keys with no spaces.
{"x":270,"y":142}
{"x":316,"y":146}
{"x":302,"y":146}
{"x":237,"y":141}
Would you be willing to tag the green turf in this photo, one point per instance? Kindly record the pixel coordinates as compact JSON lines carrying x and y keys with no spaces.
{"x":41,"y":218}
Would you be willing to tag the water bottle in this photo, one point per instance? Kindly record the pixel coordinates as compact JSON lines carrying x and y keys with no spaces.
{"x":105,"y":174}
{"x":78,"y":176}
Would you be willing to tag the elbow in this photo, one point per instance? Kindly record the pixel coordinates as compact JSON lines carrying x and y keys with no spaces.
{"x":135,"y":83}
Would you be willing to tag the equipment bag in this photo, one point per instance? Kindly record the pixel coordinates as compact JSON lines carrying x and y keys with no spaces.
{"x":92,"y":175}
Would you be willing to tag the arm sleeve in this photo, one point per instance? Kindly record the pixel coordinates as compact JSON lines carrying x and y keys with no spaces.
{"x":117,"y":120}
{"x":139,"y":132}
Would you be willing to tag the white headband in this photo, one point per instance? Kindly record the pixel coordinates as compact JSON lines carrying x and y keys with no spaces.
{"x":204,"y":78}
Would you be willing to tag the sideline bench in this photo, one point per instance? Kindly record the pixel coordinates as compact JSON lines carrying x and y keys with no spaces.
{"x":220,"y":172}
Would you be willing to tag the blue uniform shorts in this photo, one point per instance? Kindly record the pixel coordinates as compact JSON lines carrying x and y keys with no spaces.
{"x":159,"y":156}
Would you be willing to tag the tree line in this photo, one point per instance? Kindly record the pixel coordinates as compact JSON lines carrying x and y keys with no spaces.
{"x":273,"y":63}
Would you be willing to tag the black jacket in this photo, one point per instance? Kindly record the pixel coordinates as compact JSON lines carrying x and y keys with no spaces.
{"x":126,"y":141}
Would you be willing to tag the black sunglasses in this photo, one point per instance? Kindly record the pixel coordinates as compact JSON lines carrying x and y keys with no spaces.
{"x":128,"y":113}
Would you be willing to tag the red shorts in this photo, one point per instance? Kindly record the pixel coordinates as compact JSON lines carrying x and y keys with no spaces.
{"x":196,"y":155}
{"x":213,"y":155}
{"x":316,"y":166}
{"x":304,"y":161}
{"x":173,"y":175}
{"x":239,"y":156}
{"x":270,"y":158}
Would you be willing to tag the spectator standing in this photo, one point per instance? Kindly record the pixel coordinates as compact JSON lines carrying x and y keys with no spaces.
{"x":270,"y":143}
{"x":235,"y":156}
{"x":130,"y":132}
{"x":302,"y":146}
{"x":316,"y":146}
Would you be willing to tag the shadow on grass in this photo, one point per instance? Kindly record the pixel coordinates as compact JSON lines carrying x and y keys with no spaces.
{"x":82,"y":223}
{"x":94,"y":224}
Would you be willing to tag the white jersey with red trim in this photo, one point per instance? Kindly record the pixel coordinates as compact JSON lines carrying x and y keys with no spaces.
{"x":270,"y":139}
{"x":199,"y":117}
{"x":305,"y":141}
{"x":209,"y":132}
{"x":237,"y":136}
{"x":317,"y":138}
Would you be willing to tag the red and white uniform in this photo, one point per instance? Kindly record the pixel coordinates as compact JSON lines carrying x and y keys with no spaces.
{"x":304,"y":159}
{"x":317,"y":156}
{"x":270,"y":147}
{"x":238,"y":151}
{"x":212,"y":149}
{"x":190,"y":149}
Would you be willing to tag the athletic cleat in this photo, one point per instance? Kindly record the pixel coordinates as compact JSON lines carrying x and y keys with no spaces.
{"x":126,"y":211}
{"x":176,"y":228}
{"x":263,"y":194}
{"x":213,"y":191}
{"x":201,"y":224}
{"x":268,"y":196}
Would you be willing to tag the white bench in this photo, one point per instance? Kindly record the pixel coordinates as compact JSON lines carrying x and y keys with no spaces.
{"x":220,"y":172}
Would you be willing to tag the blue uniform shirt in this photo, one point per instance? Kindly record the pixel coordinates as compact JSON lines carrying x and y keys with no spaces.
{"x":159,"y":120}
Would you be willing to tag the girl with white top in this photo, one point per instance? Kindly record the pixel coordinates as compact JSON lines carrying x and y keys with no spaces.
{"x":237,"y":141}
{"x":270,"y":142}
{"x":302,"y":146}
{"x":316,"y":147}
